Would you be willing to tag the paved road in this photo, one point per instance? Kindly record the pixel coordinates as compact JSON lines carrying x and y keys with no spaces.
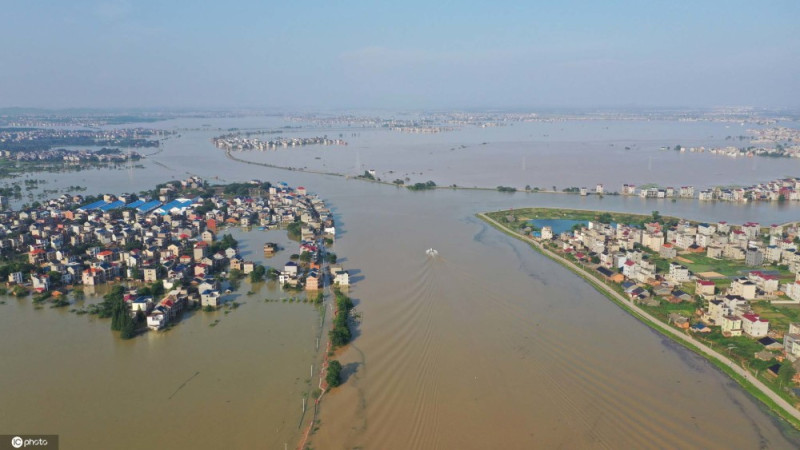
{"x":706,"y":350}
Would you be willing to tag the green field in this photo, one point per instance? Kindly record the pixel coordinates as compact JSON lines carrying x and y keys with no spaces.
{"x":526,"y":214}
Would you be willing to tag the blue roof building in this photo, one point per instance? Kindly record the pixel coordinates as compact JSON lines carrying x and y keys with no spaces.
{"x":149,"y":206}
{"x":93,"y":206}
{"x":175,"y":204}
{"x":114,"y":205}
{"x":135,"y":204}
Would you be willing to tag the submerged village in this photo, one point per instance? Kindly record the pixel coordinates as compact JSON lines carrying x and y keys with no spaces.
{"x":733,"y":287}
{"x":163,"y":252}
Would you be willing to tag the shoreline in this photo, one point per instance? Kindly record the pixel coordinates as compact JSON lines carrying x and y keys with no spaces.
{"x":746,"y":380}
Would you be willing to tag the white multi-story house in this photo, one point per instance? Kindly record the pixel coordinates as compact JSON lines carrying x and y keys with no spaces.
{"x":754,"y":326}
{"x":791,"y":341}
{"x":731,"y":325}
{"x":684,"y":240}
{"x":15,"y":277}
{"x":678,"y":273}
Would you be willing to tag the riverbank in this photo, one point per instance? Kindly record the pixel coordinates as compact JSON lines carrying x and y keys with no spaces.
{"x":750,"y":383}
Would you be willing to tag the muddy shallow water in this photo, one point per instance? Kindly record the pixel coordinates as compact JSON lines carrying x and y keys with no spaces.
{"x":488,"y":345}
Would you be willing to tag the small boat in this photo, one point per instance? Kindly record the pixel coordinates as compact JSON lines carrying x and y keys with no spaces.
{"x":432,"y":252}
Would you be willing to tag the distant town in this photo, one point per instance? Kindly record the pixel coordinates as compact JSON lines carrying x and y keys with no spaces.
{"x":15,"y":140}
{"x":784,"y":189}
{"x":236,"y":142}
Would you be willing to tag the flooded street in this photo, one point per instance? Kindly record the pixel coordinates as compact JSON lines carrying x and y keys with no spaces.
{"x":487,"y":345}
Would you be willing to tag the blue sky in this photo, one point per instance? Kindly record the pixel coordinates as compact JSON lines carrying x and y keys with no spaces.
{"x":413,"y":54}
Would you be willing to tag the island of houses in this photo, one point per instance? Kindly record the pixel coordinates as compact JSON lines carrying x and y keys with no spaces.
{"x":173,"y":239}
{"x":236,"y":142}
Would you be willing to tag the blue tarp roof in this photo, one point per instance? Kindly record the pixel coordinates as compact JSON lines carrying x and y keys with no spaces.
{"x":149,"y":206}
{"x":114,"y":205}
{"x":94,"y":205}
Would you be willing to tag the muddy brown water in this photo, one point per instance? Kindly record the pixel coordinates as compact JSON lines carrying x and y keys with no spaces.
{"x":489,"y":345}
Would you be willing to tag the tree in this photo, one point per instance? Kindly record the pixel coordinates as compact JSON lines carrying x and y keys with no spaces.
{"x":334,"y":375}
{"x":656,"y":216}
{"x":605,"y":218}
{"x":157,"y":288}
{"x":128,"y":329}
{"x":258,"y":273}
{"x":786,"y":373}
{"x":235,"y":274}
{"x":55,"y":277}
{"x":339,"y":336}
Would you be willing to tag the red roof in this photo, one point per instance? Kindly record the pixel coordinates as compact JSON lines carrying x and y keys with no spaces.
{"x":705,"y":282}
{"x":629,"y":263}
{"x":753,"y":318}
{"x":105,"y":253}
{"x":762,"y":275}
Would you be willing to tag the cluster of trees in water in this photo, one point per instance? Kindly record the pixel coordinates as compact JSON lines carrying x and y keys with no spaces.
{"x":121,"y":320}
{"x":422,"y":186}
{"x":334,"y":375}
{"x":340,"y":334}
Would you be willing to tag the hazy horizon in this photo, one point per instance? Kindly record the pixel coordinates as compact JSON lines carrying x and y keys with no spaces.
{"x":580,"y":55}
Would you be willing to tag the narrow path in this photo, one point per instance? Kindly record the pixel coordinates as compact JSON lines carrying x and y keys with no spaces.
{"x":666,"y":329}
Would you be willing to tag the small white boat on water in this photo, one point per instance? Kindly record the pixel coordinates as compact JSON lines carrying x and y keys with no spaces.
{"x":432,"y":252}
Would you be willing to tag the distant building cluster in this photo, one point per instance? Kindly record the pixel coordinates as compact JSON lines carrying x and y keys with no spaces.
{"x":236,"y":142}
{"x":786,"y":189}
{"x":71,"y":156}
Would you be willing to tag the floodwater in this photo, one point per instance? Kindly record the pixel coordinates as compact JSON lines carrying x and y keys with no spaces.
{"x":487,"y":345}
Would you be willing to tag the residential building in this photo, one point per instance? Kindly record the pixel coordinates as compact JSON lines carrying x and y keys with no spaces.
{"x":705,"y":288}
{"x":753,"y":257}
{"x":678,"y":273}
{"x":791,"y":341}
{"x":744,"y":288}
{"x":754,"y":326}
{"x":731,"y":326}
